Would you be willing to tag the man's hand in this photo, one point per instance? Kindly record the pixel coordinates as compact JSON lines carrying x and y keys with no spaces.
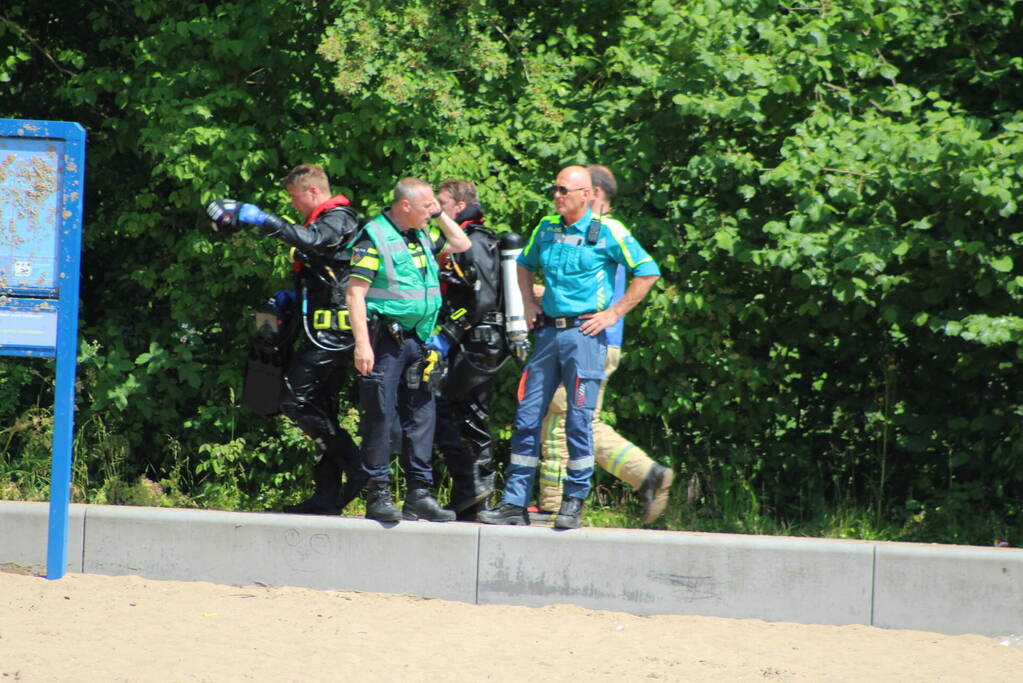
{"x":252,"y":214}
{"x":637,"y":289}
{"x":530,"y":311}
{"x":364,"y":358}
{"x":595,"y":322}
{"x":520,"y":350}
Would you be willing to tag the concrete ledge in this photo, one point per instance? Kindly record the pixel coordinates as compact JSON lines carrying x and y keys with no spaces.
{"x":645,"y":572}
{"x":431,"y":560}
{"x":23,"y":534}
{"x":948,"y":589}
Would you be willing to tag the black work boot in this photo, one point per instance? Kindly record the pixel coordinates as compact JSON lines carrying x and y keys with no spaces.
{"x":419,"y":504}
{"x":326,"y":491}
{"x":379,"y":505}
{"x":505,"y":513}
{"x":568,"y":515}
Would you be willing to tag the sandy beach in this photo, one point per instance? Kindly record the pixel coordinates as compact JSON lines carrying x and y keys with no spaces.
{"x":102,"y":628}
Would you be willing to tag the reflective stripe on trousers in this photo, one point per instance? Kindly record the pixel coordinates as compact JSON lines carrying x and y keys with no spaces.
{"x":574,"y":360}
{"x":614,"y":453}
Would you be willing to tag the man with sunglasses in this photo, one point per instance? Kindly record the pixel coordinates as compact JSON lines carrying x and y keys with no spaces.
{"x":615,"y":454}
{"x":579,"y":257}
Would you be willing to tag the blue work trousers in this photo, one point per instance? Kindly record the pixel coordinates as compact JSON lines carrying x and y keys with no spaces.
{"x":385,"y":397}
{"x":562,"y":356}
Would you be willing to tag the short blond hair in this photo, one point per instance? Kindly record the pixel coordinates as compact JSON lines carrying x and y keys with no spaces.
{"x":307,"y":175}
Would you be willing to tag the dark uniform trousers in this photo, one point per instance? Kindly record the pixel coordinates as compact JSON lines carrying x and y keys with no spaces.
{"x":385,"y":397}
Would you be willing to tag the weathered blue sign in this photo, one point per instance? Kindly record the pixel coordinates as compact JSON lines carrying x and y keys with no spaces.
{"x":42,"y":178}
{"x":27,"y":324}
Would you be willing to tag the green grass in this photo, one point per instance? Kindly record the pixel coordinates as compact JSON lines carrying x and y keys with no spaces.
{"x":609,"y":506}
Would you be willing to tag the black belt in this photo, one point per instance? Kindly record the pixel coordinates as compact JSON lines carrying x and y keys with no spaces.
{"x":563,"y":323}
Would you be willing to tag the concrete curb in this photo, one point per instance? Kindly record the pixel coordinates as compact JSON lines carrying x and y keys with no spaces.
{"x":650,"y":572}
{"x":947,"y":589}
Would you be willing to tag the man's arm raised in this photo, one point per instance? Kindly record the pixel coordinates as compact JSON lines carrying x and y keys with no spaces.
{"x":457,"y":240}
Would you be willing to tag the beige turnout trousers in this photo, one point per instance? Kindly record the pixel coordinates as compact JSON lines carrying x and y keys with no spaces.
{"x":613,"y":453}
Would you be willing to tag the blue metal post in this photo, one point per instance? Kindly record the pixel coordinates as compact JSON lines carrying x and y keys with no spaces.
{"x":67,"y":347}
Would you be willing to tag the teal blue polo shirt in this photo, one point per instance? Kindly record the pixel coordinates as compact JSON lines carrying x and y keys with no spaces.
{"x":579,"y":277}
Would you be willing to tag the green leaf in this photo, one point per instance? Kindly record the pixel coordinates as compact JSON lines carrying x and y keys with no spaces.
{"x":725,"y":239}
{"x":1003,"y":264}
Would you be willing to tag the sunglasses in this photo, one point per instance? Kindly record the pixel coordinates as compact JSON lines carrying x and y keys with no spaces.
{"x":562,"y":190}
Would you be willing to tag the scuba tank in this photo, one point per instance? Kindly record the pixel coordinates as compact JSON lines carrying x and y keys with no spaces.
{"x":514,"y":312}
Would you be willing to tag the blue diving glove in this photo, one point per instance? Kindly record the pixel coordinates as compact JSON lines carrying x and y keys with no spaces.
{"x":439,"y":343}
{"x":252,"y":214}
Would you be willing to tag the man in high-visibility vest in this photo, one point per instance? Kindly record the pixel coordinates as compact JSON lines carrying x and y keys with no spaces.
{"x":393,"y":300}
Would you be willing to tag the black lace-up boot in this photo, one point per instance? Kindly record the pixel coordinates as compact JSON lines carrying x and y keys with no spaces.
{"x":379,"y":505}
{"x":568,"y":515}
{"x":419,"y":504}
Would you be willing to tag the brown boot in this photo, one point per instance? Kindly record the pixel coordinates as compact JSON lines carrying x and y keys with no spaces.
{"x":654,"y":492}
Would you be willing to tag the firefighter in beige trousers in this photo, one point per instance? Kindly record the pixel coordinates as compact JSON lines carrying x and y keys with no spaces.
{"x":614,"y":453}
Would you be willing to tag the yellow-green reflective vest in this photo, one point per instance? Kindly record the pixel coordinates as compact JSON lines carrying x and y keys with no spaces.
{"x":399,"y":290}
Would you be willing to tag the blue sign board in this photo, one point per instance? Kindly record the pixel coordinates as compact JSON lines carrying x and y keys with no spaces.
{"x":28,"y":327}
{"x":42,"y":178}
{"x":30,"y":179}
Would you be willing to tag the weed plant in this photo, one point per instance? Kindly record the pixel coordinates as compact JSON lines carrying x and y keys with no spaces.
{"x":235,"y":475}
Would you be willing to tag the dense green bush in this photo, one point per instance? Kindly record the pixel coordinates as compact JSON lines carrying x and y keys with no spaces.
{"x":830,"y":188}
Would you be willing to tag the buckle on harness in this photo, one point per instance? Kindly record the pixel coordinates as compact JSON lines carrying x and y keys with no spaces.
{"x":323,"y":319}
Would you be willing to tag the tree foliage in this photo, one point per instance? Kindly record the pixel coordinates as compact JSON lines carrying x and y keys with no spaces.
{"x":831,"y":189}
